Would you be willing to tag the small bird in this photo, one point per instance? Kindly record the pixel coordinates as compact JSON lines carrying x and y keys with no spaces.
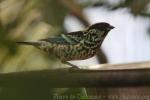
{"x":77,"y":45}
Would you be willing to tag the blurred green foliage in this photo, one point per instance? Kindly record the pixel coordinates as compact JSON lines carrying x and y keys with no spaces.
{"x":136,"y":7}
{"x":25,"y":20}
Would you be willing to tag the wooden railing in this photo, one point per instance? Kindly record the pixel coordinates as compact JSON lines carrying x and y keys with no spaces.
{"x":109,"y":75}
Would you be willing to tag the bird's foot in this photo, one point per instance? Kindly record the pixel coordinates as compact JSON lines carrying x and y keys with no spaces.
{"x":73,"y":67}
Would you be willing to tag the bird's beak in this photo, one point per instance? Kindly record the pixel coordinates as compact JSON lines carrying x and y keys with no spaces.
{"x":112,"y":27}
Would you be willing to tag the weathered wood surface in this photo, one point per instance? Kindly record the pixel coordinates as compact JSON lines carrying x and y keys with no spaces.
{"x":121,"y":75}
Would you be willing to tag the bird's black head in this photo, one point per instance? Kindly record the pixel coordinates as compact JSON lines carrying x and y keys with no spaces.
{"x":101,"y":26}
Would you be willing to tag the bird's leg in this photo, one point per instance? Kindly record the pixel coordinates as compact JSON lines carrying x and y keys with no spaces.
{"x":72,"y":65}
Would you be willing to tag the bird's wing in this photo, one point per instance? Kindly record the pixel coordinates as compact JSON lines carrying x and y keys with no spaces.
{"x":70,"y":38}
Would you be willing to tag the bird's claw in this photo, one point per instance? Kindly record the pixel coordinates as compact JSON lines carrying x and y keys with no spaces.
{"x":74,"y":68}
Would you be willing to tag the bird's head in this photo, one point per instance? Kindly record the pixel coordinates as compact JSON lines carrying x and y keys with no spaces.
{"x":102,"y":26}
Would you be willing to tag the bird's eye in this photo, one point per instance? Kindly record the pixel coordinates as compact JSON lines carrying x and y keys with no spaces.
{"x":91,"y":31}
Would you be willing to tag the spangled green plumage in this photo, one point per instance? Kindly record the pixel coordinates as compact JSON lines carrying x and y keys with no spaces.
{"x":75,"y":45}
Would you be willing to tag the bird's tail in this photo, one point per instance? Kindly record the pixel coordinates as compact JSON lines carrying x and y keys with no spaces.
{"x":29,"y":43}
{"x":42,"y":45}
